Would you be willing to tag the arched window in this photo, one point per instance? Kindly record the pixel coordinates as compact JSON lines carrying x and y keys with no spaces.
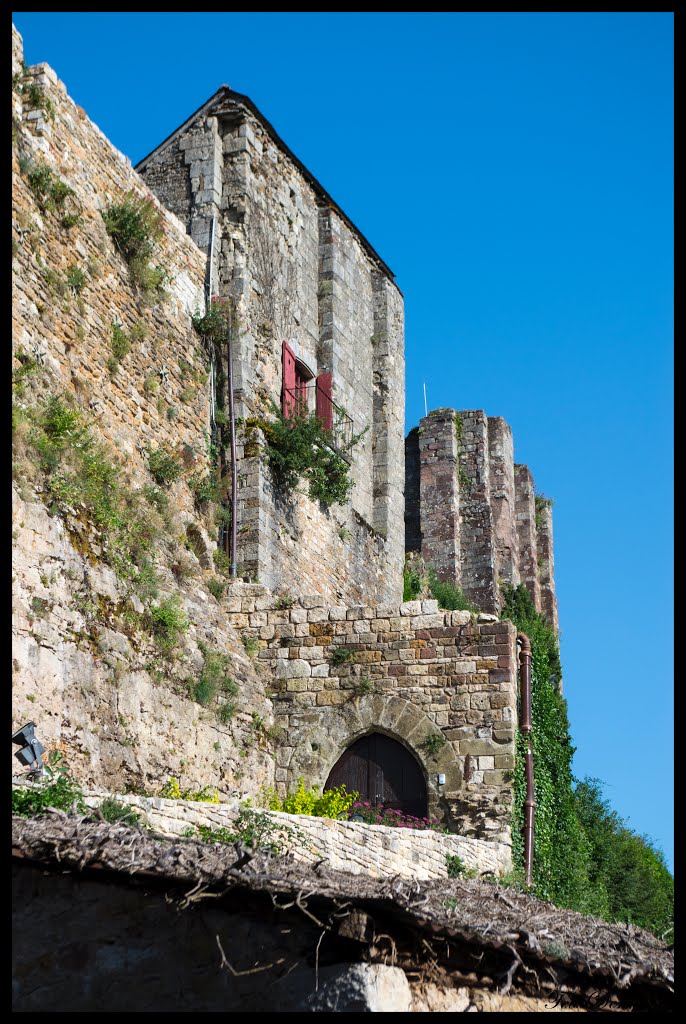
{"x":384,"y":772}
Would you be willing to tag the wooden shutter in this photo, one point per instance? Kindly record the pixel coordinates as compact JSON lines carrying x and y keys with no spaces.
{"x":288,"y":400}
{"x":324,"y":403}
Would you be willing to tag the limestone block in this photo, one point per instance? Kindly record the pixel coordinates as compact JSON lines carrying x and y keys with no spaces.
{"x":293,"y":668}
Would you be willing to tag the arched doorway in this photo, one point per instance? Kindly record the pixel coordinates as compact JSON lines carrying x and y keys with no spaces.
{"x":382,"y":771}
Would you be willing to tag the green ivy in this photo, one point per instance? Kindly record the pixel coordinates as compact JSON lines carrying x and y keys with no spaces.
{"x":585,"y":857}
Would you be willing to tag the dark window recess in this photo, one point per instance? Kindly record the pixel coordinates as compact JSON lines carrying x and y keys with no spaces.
{"x":382,"y":771}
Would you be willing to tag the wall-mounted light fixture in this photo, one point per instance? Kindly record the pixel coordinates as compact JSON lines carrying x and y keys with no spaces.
{"x":441,"y":779}
{"x":31,"y":748}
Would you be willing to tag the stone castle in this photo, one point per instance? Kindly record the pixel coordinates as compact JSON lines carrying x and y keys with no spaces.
{"x":337,"y":678}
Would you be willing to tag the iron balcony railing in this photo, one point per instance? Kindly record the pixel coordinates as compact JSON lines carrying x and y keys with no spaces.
{"x":312,"y":399}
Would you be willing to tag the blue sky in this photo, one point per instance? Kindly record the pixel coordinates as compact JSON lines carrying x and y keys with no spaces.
{"x":515,"y":172}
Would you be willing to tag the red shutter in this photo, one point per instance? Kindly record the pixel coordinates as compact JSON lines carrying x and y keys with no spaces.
{"x":288,"y":397}
{"x":324,"y":403}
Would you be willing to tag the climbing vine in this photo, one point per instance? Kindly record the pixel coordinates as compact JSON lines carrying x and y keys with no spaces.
{"x":585,"y":857}
{"x":560,"y":847}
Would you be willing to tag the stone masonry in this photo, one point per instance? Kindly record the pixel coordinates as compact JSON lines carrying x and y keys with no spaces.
{"x":374,"y":850}
{"x":412,"y":672}
{"x":94,"y":683}
{"x":473,"y":513}
{"x":299,"y":271}
{"x":310,"y":674}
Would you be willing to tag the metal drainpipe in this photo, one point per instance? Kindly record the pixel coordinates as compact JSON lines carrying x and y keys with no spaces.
{"x":234,"y":475}
{"x":525,"y":727}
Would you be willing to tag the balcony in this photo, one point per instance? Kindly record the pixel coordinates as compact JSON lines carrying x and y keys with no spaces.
{"x":313,"y":399}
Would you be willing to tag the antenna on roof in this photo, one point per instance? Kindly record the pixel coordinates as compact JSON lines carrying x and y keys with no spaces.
{"x":426,"y":411}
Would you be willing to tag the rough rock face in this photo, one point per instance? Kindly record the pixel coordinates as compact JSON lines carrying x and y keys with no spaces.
{"x":122,"y":714}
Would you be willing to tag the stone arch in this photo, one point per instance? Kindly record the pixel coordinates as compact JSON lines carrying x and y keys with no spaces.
{"x":319,"y":738}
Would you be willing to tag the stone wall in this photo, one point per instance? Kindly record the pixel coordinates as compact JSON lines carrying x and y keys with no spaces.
{"x":374,"y":850}
{"x":83,"y":667}
{"x":412,"y":672}
{"x":299,"y":272}
{"x":473,"y":513}
{"x":158,"y":397}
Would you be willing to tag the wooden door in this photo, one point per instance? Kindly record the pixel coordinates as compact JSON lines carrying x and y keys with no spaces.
{"x":383,"y":772}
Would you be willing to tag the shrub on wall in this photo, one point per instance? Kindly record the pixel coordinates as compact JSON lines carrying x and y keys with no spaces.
{"x":334,"y":803}
{"x":300,"y":446}
{"x":135,"y":226}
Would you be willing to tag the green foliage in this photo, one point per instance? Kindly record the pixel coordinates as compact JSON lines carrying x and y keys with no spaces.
{"x":448,"y":595}
{"x":251,"y":644}
{"x":118,"y":813}
{"x":213,"y":324}
{"x":76,"y":279}
{"x":334,"y":803}
{"x":134,"y":225}
{"x":157,"y":498}
{"x":35,"y":98}
{"x":284,"y":601}
{"x":80,"y":472}
{"x":172,"y":791}
{"x":168,"y":623}
{"x":56,"y":789}
{"x":585,"y":857}
{"x":339,"y":655}
{"x":418,"y":578}
{"x":364,"y":686}
{"x":627,"y":869}
{"x":226,"y":711}
{"x":455,"y":865}
{"x":52,"y":194}
{"x":412,"y":581}
{"x":164,"y":467}
{"x":560,"y":846}
{"x":433,"y":743}
{"x":464,"y":481}
{"x":148,"y":279}
{"x":301,"y":447}
{"x":222,"y":562}
{"x":540,"y":504}
{"x":215,"y":679}
{"x":206,"y":487}
{"x":120,"y":346}
{"x":257,"y":830}
{"x":216,"y":587}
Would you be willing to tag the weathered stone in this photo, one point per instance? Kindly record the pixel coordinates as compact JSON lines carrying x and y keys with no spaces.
{"x":292,"y":669}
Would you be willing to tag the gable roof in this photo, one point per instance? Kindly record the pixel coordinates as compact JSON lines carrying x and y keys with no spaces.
{"x":227,"y":101}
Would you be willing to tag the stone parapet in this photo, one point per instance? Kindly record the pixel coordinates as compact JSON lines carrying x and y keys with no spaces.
{"x":527,"y":554}
{"x":374,"y":850}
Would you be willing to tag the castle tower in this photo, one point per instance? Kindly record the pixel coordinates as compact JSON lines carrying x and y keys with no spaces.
{"x":319,"y":323}
{"x":473,"y":514}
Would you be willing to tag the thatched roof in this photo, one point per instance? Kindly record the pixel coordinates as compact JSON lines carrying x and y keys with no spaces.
{"x":458,"y":932}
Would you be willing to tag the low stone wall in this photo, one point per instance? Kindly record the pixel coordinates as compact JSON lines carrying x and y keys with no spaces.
{"x":374,"y":850}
